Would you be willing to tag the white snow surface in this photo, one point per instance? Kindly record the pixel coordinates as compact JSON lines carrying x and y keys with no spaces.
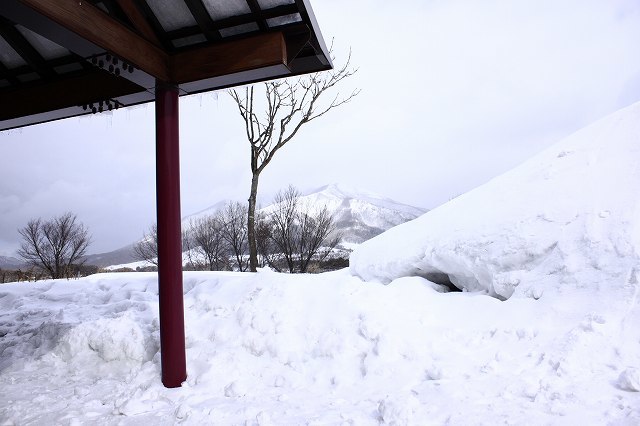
{"x":278,"y":349}
{"x":567,"y":218}
{"x":557,"y":238}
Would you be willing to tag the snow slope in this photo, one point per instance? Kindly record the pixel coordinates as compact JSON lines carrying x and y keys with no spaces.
{"x":385,"y":346}
{"x":567,"y":218}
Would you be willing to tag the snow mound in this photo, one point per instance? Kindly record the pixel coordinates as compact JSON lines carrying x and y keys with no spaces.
{"x":112,"y":339}
{"x":330,"y":349}
{"x":630,"y":379}
{"x":567,"y":218}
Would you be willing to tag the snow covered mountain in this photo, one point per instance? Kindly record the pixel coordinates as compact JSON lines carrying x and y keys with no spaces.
{"x":8,"y":262}
{"x":360,"y":215}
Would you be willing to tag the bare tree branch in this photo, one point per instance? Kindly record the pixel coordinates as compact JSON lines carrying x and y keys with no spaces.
{"x":288,"y":105}
{"x":147,"y":248}
{"x":57,"y":245}
{"x":295,"y":234}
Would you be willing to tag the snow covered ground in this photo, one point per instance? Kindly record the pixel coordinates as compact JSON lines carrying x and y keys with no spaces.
{"x":547,"y":331}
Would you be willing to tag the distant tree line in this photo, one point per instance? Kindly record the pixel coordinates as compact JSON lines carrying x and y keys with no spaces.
{"x":292,"y":237}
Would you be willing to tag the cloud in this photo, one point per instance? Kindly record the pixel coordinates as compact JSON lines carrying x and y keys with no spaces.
{"x":454,"y":92}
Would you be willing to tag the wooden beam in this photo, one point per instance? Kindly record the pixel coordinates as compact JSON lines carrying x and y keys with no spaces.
{"x":63,"y":93}
{"x":234,"y":21}
{"x":205,"y":23}
{"x":30,"y":55}
{"x":139,"y":21}
{"x":4,"y":73}
{"x":99,"y":28}
{"x":257,"y":14}
{"x":231,"y":57}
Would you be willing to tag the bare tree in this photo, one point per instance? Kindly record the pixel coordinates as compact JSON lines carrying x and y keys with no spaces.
{"x":147,"y":248}
{"x":208,"y":242}
{"x":283,"y":224}
{"x":264,"y":243}
{"x":294,"y":234}
{"x":289,"y":105}
{"x":189,"y":249}
{"x":55,"y":245}
{"x":234,"y":231}
{"x":317,"y":236}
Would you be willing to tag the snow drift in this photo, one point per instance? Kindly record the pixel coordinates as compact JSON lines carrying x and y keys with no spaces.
{"x":568,"y":217}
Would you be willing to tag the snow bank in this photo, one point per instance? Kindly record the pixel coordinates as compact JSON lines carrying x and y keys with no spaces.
{"x":272,"y":348}
{"x":568,"y":217}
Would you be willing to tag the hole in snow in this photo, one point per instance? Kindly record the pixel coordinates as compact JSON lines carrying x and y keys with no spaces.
{"x":442,"y":279}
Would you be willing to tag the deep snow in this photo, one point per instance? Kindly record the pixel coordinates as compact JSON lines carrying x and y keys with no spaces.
{"x":557,"y":239}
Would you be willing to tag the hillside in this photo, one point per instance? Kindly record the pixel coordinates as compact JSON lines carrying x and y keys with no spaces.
{"x":7,"y":262}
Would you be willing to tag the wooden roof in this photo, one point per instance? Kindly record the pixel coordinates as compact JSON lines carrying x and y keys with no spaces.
{"x":66,"y":58}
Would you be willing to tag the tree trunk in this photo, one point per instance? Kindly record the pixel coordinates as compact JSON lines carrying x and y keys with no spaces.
{"x":251,"y":224}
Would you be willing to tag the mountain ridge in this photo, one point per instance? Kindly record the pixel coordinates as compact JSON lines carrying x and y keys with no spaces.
{"x":359,"y":214}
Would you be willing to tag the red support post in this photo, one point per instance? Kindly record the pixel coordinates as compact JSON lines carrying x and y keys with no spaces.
{"x":172,"y":340}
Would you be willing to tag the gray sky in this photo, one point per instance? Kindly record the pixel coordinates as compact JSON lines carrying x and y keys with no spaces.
{"x":454,"y":92}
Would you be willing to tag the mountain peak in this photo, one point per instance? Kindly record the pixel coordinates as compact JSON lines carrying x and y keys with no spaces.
{"x":359,"y":214}
{"x":340,"y":190}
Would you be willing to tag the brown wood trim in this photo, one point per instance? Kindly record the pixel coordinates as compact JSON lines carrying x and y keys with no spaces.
{"x":99,"y":28}
{"x":230,"y":57}
{"x":64,"y":93}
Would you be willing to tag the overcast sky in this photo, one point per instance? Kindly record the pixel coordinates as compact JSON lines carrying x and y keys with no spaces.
{"x":454,"y":92}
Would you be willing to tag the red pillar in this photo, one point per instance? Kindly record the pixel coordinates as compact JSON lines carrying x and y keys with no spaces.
{"x":172,"y":341}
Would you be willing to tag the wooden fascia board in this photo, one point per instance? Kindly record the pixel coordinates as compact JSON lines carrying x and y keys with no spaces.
{"x":231,"y":57}
{"x":64,"y":93}
{"x":97,"y":27}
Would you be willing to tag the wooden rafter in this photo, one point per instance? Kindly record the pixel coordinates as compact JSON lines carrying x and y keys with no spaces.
{"x":110,"y":6}
{"x":205,"y":23}
{"x":17,"y":41}
{"x":257,"y":14}
{"x":5,"y":73}
{"x":155,"y":24}
{"x":97,"y":27}
{"x":234,"y":21}
{"x":139,"y":21}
